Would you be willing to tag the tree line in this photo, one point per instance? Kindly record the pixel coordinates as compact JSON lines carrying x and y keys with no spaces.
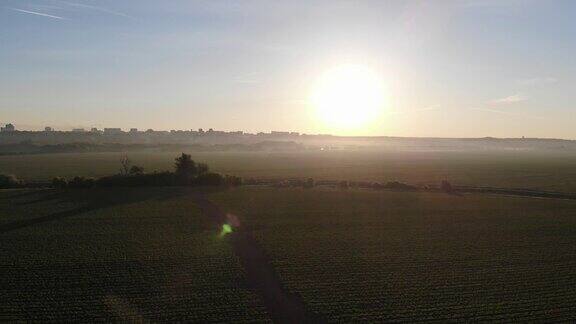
{"x":187,"y":172}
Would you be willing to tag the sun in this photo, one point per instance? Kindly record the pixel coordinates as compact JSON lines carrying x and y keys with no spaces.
{"x":348,"y":97}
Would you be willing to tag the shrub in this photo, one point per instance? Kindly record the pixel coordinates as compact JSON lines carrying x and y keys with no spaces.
{"x":309,"y":183}
{"x":232,"y":180}
{"x":81,"y":182}
{"x":9,"y":181}
{"x":59,"y":183}
{"x":136,"y":170}
{"x":446,"y":186}
{"x":343,"y":184}
{"x":395,"y":185}
{"x":209,"y":179}
{"x":251,"y":181}
{"x":136,"y":180}
{"x":202,"y":168}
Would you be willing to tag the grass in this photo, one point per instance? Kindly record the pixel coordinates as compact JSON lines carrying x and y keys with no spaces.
{"x":545,"y":171}
{"x":384,"y":256}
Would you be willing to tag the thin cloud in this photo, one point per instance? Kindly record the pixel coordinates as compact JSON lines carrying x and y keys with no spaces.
{"x":508,"y":100}
{"x":493,"y":3}
{"x":507,"y":113}
{"x":37,"y":13}
{"x":537,"y":81}
{"x":96,"y":8}
{"x":495,"y":111}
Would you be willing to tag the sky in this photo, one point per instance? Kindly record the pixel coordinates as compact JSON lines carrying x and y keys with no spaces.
{"x":469,"y":68}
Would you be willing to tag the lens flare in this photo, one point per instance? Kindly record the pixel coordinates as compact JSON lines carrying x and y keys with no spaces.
{"x":226,"y":229}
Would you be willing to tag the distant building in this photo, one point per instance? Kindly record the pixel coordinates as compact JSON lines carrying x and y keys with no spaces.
{"x":280,"y":133}
{"x":78,"y":130}
{"x":94,"y":130}
{"x":112,"y":131}
{"x":48,"y":129}
{"x":133,"y":130}
{"x":149,"y":130}
{"x":8,"y":128}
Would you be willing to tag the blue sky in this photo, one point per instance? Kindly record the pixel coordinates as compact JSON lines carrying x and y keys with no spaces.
{"x":451,"y":68}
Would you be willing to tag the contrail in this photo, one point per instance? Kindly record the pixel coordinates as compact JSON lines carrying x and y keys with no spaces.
{"x":37,"y":13}
{"x":101,"y":9}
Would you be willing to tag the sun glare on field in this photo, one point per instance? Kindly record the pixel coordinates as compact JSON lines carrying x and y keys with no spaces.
{"x":348,"y":97}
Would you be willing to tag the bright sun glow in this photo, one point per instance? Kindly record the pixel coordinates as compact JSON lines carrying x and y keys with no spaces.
{"x":348,"y":97}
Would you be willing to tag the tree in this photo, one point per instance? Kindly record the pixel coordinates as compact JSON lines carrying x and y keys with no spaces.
{"x":232,"y":180}
{"x":9,"y":181}
{"x":202,"y":168}
{"x":446,"y":186}
{"x":59,"y":183}
{"x":309,"y":183}
{"x":125,"y":162}
{"x":81,"y":182}
{"x":185,"y":167}
{"x":136,"y":170}
{"x":343,"y":184}
{"x":209,"y":179}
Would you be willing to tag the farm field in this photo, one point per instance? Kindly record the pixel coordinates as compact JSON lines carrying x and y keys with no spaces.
{"x":129,"y":255}
{"x":511,"y":169}
{"x":386,"y":256}
{"x":154,"y":254}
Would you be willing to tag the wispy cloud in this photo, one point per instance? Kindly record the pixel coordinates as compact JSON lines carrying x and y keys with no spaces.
{"x":493,"y":3}
{"x":507,"y":113}
{"x":37,"y":13}
{"x":495,"y":111}
{"x":538,"y":81}
{"x":508,"y":100}
{"x":96,"y":8}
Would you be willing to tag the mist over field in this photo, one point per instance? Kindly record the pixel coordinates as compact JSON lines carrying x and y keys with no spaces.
{"x":500,"y":169}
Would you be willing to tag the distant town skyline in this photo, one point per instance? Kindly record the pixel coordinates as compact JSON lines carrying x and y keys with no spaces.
{"x":51,"y":128}
{"x":10,"y":127}
{"x":468,"y":68}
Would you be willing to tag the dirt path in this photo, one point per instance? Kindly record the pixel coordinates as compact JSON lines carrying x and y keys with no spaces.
{"x":282,"y":306}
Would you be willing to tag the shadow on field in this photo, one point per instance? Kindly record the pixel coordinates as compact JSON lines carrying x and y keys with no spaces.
{"x":283,"y":306}
{"x":86,"y":200}
{"x":130,"y":279}
{"x":43,"y":197}
{"x":23,"y":193}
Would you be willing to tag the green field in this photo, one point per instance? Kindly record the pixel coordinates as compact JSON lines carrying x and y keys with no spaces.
{"x":150,"y":254}
{"x":533,"y":170}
